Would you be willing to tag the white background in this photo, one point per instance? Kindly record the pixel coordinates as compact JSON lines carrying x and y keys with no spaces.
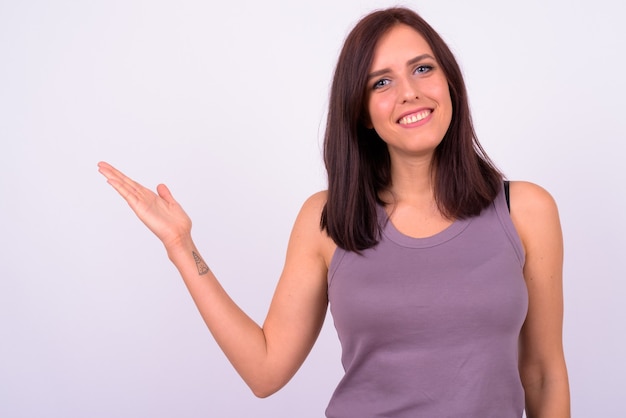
{"x":225,"y":103}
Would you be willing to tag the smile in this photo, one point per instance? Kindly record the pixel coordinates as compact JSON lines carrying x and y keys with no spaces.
{"x":415,"y":117}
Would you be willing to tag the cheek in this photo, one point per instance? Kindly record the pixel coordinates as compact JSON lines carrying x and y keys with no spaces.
{"x":442,"y":93}
{"x":380,"y":109}
{"x":450,"y":110}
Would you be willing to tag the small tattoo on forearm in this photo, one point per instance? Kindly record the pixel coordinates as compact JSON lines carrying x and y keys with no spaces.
{"x":202,"y":267}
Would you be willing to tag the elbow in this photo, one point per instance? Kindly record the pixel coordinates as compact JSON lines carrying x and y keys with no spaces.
{"x":266,"y":380}
{"x":262,"y":394}
{"x":263,"y":388}
{"x":263,"y":391}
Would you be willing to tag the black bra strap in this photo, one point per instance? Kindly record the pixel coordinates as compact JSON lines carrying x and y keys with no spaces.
{"x":506,"y":194}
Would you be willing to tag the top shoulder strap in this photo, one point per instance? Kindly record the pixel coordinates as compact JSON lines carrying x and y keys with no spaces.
{"x":506,"y":194}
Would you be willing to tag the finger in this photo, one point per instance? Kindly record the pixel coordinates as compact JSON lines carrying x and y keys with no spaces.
{"x":128,"y":189}
{"x":122,"y":187}
{"x":111,"y":172}
{"x":165,"y":194}
{"x":128,"y":193}
{"x":136,"y":195}
{"x":104,"y":164}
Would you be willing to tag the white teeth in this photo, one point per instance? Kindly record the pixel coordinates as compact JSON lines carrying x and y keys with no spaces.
{"x":416,"y":117}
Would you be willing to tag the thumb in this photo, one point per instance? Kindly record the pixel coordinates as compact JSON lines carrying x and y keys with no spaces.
{"x":165,"y":193}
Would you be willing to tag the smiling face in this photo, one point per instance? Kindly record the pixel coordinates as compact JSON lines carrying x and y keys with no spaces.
{"x":408,"y":99}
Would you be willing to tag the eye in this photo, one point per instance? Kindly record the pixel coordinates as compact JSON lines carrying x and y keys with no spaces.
{"x":423,"y":69}
{"x":381,"y":83}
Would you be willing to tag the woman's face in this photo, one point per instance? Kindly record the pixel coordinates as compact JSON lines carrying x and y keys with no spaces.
{"x":408,"y":98}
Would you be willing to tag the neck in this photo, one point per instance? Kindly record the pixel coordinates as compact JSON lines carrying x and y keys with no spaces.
{"x":412,"y":182}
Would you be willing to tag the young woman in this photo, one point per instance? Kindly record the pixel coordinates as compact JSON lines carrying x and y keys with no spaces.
{"x":444,"y":281}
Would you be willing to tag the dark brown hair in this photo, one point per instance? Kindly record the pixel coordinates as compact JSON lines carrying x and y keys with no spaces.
{"x":357,"y":159}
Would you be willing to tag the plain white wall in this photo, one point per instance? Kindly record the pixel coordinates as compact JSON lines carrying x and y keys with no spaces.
{"x":225,"y":103}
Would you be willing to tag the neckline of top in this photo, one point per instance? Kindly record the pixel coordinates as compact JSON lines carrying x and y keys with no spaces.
{"x":392,"y":233}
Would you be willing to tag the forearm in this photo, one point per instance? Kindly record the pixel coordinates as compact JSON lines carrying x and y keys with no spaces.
{"x":241,"y":339}
{"x":548,"y":397}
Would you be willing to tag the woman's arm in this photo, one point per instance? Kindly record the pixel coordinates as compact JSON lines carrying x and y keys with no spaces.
{"x":265,"y":357}
{"x":542,"y":362}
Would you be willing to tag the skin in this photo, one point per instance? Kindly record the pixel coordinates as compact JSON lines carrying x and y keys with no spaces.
{"x":405,"y":79}
{"x":541,"y":362}
{"x":267,"y":356}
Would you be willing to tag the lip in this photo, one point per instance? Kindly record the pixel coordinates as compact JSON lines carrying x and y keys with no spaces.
{"x":416,"y":112}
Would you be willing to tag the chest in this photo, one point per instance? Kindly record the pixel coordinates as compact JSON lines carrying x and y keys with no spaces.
{"x":430,"y":295}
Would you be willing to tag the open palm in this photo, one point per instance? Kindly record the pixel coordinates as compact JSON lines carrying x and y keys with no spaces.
{"x":159,"y":211}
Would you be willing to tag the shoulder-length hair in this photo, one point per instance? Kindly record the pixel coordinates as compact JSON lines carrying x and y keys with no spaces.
{"x":357,"y":159}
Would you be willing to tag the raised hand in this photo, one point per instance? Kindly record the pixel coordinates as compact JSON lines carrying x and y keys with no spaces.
{"x":158,"y":211}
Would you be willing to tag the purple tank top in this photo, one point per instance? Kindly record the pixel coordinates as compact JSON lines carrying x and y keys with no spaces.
{"x":429,"y":327}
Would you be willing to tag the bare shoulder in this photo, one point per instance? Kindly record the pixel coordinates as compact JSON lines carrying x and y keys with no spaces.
{"x":311,"y":212}
{"x":316,"y":201}
{"x":530,"y":195}
{"x":534,"y":213}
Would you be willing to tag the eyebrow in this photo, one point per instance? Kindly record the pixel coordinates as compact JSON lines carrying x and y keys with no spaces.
{"x":408,"y":63}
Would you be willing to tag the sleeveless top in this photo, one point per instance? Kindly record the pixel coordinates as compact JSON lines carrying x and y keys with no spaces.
{"x":429,"y":327}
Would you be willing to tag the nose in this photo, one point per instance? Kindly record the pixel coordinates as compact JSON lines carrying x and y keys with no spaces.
{"x":408,"y":91}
